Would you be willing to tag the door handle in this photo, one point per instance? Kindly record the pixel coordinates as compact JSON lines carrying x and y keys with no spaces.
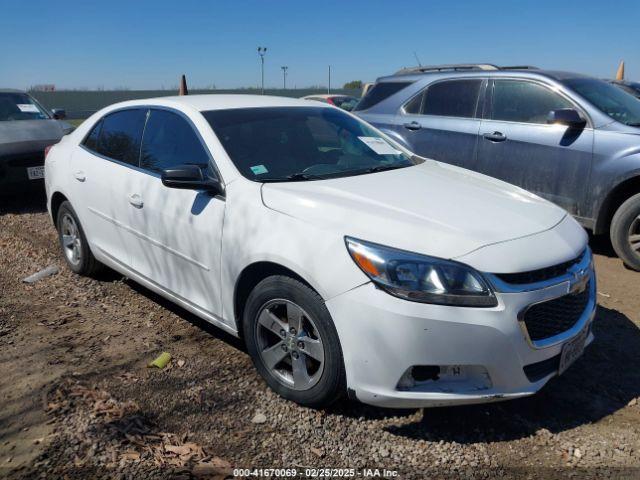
{"x":412,"y":126}
{"x":495,"y":136}
{"x":79,"y":175}
{"x":136,"y":200}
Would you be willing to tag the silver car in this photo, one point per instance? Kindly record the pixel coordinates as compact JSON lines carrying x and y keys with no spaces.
{"x":26,"y":129}
{"x":570,"y":138}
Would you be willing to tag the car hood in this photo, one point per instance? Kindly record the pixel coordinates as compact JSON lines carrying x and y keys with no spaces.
{"x":431,"y":208}
{"x":29,"y":135}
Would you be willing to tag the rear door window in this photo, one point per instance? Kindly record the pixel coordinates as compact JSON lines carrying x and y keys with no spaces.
{"x":170,"y":140}
{"x":120,"y":135}
{"x":454,"y":98}
{"x":380,"y":92}
{"x":524,"y":102}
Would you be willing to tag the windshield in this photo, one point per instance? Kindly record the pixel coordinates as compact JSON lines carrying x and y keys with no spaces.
{"x":20,"y":106}
{"x":615,"y":102}
{"x":302,"y":143}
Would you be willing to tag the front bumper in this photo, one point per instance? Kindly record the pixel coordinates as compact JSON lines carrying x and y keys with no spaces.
{"x":481,"y":352}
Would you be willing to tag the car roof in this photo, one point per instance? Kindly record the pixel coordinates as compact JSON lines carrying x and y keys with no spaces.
{"x":509,"y":72}
{"x":221,"y":101}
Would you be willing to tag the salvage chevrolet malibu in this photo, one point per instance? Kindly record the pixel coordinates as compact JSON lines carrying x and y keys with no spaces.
{"x":347,"y":264}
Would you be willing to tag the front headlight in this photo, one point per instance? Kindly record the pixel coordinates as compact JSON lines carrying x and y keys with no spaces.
{"x":421,"y":278}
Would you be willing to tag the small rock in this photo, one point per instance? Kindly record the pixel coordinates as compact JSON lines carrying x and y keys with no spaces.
{"x":259,"y":417}
{"x":632,"y":402}
{"x":181,"y":363}
{"x":577,"y":453}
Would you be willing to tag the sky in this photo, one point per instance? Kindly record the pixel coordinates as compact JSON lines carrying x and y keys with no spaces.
{"x":140,"y":44}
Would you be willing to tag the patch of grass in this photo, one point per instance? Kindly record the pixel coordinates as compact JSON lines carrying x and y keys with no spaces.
{"x":75,"y":122}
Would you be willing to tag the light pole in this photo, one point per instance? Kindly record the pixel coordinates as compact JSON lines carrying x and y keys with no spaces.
{"x":284,"y":76}
{"x":329,"y":86}
{"x":261,"y":52}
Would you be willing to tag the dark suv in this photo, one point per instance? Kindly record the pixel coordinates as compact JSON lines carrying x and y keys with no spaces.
{"x":570,"y":138}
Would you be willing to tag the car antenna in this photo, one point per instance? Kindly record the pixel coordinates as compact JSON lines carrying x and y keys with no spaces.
{"x":417,"y":59}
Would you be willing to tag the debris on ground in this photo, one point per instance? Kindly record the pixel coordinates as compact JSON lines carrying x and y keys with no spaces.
{"x":161,"y":361}
{"x":45,"y":272}
{"x":110,"y":434}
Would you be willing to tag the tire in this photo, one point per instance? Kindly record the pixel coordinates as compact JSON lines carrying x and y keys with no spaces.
{"x":625,"y":232}
{"x":311,"y":368}
{"x":73,"y":242}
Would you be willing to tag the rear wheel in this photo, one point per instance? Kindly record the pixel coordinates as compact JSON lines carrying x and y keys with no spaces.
{"x":625,"y":232}
{"x":73,"y":242}
{"x":293,"y":342}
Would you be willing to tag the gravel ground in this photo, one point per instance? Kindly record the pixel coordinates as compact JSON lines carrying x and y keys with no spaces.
{"x":78,"y":401}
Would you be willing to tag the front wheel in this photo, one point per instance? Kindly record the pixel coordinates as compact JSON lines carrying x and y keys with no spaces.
{"x":625,"y":232}
{"x":293,"y":342}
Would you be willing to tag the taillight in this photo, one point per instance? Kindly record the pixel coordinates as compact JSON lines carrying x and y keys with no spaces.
{"x":46,"y":150}
{"x":330,"y":101}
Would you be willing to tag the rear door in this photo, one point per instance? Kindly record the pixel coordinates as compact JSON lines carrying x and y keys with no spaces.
{"x":102,"y":176}
{"x":178,"y":231}
{"x":442,"y":122}
{"x":518,"y":146}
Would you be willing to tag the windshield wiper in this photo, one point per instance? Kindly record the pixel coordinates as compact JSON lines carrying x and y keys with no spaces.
{"x":382,"y":168}
{"x":294,"y":177}
{"x":634,"y":124}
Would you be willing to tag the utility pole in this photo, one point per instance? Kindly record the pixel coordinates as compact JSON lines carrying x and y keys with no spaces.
{"x":284,"y":76}
{"x":329,"y":85}
{"x":262,"y":51}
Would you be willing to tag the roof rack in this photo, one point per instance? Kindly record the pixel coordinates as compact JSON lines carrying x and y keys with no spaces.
{"x":460,"y":67}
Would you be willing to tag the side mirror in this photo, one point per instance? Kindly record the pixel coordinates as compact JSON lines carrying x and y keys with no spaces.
{"x":59,"y":113}
{"x":566,"y":116}
{"x":190,"y":177}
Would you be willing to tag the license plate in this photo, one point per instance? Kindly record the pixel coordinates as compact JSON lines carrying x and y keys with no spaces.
{"x":35,"y":172}
{"x":572,"y":350}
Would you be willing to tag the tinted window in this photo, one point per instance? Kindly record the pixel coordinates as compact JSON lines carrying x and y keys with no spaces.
{"x":91,"y":142}
{"x":524,"y":102}
{"x":456,"y":98}
{"x":120,"y":135}
{"x":170,"y":140}
{"x":20,"y":106}
{"x":379,"y":92}
{"x":414,"y":106}
{"x":611,"y":100}
{"x":274,"y":144}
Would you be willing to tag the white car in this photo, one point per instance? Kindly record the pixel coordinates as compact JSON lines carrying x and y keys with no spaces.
{"x":347,"y":264}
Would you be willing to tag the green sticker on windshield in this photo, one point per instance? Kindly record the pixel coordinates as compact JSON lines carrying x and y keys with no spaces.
{"x":259,"y":169}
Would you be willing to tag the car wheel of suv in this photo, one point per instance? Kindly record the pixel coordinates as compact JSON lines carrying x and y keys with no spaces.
{"x":73,"y":242}
{"x":293,"y":342}
{"x":625,"y":232}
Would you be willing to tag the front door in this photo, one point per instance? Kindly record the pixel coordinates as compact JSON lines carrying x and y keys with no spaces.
{"x":518,"y":146}
{"x":179,"y":232}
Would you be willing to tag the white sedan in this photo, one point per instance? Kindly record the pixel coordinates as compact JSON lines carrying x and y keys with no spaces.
{"x":347,"y":264}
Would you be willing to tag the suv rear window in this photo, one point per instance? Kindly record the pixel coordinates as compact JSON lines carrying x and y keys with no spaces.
{"x":379,"y":92}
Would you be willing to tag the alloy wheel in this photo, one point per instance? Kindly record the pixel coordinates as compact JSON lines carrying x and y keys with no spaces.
{"x":71,"y":243}
{"x":289,"y":344}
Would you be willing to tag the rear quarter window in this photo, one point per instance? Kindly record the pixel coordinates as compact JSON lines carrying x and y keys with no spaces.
{"x":380,"y":92}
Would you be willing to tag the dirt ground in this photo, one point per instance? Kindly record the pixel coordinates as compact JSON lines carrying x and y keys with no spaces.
{"x":78,"y":401}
